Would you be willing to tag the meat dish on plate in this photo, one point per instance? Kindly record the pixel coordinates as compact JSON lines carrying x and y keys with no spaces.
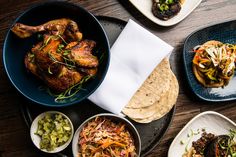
{"x":211,"y":145}
{"x":61,"y":57}
{"x":166,"y":9}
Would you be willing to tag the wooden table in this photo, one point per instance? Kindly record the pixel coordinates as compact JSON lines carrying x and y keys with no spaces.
{"x":14,"y":134}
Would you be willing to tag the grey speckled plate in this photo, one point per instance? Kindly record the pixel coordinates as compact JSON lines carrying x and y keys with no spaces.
{"x":224,"y":32}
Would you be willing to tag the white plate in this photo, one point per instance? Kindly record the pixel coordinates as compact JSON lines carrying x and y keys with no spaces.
{"x":145,"y":7}
{"x":212,"y":122}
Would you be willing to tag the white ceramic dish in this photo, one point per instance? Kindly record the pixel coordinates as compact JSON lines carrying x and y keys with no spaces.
{"x":145,"y":7}
{"x":36,"y":139}
{"x":212,"y":122}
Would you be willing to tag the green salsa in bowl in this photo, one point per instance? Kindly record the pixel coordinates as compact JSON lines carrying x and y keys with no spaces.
{"x":51,"y":131}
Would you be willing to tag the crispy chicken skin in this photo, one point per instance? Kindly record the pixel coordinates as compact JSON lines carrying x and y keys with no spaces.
{"x":44,"y":56}
{"x":30,"y":64}
{"x":64,"y":80}
{"x":39,"y":62}
{"x":81,"y":53}
{"x":55,"y":27}
{"x":89,"y":71}
{"x":62,"y":42}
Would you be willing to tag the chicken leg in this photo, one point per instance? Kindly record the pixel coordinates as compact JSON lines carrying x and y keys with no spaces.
{"x":55,"y":27}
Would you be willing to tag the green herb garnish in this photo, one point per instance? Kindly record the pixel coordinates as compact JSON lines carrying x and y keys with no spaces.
{"x":66,"y":52}
{"x":182,"y":142}
{"x":49,"y":70}
{"x":45,"y":43}
{"x":67,"y":64}
{"x":170,"y":1}
{"x":71,"y":91}
{"x":62,"y":39}
{"x":60,"y":47}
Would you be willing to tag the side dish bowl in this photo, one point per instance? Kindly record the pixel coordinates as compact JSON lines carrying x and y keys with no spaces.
{"x":114,"y":118}
{"x":36,"y":138}
{"x":15,"y":49}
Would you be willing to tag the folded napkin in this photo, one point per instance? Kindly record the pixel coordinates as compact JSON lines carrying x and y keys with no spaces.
{"x":134,"y":55}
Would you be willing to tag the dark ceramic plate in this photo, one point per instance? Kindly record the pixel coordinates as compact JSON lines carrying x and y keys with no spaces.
{"x":15,"y":49}
{"x":150,"y":133}
{"x":224,"y":32}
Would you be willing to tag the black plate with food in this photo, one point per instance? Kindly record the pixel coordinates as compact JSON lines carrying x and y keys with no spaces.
{"x":151,"y":133}
{"x":209,"y":60}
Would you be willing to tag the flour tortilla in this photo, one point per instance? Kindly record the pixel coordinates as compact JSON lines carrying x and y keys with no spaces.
{"x":154,"y":87}
{"x":159,"y":108}
{"x":144,"y":112}
{"x":156,"y":96}
{"x":163,"y":109}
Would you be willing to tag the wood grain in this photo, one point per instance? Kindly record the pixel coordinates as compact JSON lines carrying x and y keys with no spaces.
{"x":14,"y":135}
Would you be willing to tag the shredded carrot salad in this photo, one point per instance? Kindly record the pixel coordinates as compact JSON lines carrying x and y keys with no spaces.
{"x":103,"y":138}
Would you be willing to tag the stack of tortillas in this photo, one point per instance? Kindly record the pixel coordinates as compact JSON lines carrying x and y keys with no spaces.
{"x":155,"y":97}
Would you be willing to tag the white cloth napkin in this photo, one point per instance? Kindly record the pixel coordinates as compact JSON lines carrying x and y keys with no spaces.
{"x":134,"y":56}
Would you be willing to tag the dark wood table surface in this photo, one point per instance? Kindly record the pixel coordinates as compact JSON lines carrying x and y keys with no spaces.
{"x":14,"y":134}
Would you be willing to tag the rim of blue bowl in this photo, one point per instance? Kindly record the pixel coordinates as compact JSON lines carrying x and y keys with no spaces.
{"x":4,"y":51}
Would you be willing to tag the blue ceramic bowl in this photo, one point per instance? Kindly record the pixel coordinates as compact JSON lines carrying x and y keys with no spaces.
{"x":224,"y":32}
{"x":14,"y":51}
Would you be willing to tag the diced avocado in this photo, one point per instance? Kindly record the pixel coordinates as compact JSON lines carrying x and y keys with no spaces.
{"x":170,"y":1}
{"x":54,"y":130}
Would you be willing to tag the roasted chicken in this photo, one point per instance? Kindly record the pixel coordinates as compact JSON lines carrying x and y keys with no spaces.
{"x":62,"y":59}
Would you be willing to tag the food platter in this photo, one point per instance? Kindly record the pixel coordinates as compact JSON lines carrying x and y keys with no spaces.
{"x":151,"y":132}
{"x":224,"y":32}
{"x":212,"y":122}
{"x":144,"y":6}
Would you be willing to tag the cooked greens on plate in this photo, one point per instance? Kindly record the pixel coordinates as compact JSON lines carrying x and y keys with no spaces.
{"x":54,"y":131}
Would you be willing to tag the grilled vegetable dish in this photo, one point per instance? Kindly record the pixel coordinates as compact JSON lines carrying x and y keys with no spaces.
{"x":166,"y":9}
{"x":210,"y":145}
{"x":61,"y":58}
{"x":102,"y":137}
{"x":214,"y":63}
{"x":54,"y":131}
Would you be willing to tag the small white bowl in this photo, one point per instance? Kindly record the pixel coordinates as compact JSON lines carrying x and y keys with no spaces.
{"x":36,"y":139}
